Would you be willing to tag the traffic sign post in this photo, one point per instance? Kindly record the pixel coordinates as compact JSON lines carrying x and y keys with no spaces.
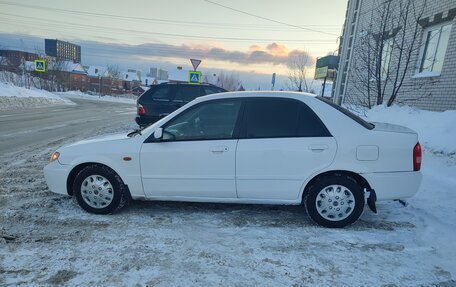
{"x":40,"y":66}
{"x":194,"y":77}
{"x":273,"y":80}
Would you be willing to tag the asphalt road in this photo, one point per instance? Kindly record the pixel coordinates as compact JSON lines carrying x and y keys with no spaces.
{"x":27,"y":127}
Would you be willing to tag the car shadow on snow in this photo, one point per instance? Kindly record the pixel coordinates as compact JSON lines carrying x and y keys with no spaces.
{"x":242,"y":215}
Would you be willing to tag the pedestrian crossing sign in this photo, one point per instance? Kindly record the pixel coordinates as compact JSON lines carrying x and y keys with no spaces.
{"x":40,"y":66}
{"x":194,"y":77}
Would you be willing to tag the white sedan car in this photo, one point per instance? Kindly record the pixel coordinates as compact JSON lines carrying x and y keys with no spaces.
{"x":247,"y":147}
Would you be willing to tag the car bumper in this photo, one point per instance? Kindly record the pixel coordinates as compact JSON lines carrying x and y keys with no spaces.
{"x":145,"y":121}
{"x":56,"y":175}
{"x":394,"y":185}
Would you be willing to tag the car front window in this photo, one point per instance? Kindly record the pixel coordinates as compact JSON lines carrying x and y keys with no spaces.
{"x":207,"y":121}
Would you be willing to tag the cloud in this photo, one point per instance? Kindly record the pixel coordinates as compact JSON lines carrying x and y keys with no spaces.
{"x":277,"y":49}
{"x":273,"y":53}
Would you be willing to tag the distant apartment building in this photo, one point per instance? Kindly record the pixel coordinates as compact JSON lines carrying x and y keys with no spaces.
{"x":137,"y":72}
{"x":159,"y":74}
{"x":428,"y":80}
{"x":62,"y":50}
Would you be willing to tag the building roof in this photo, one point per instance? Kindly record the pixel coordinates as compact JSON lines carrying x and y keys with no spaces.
{"x":129,"y":77}
{"x":95,"y":71}
{"x":76,"y":68}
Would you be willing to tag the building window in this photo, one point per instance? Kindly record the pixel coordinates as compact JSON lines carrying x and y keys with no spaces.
{"x":386,"y":56}
{"x":435,"y":42}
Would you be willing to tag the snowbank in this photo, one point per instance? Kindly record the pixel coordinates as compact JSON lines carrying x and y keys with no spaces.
{"x":13,"y":97}
{"x":127,"y":99}
{"x":436,"y":130}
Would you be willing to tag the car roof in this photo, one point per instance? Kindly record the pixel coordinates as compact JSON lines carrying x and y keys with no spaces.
{"x":182,"y":83}
{"x":258,"y":94}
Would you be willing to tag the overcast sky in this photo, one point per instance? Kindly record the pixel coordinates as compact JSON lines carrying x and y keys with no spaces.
{"x":145,"y":33}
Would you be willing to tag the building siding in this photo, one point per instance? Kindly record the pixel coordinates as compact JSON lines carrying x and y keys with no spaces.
{"x":433,"y":93}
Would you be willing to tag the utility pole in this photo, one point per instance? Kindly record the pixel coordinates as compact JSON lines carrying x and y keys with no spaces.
{"x":324,"y":86}
{"x":273,"y":81}
{"x":99,"y":85}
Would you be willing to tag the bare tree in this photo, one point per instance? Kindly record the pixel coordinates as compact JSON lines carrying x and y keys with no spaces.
{"x":3,"y":62}
{"x":229,"y":82}
{"x":298,"y":73}
{"x":383,"y":55}
{"x":113,"y":71}
{"x":58,"y":78}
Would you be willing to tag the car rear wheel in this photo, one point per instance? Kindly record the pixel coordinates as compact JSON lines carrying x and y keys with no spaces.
{"x":335,"y":201}
{"x":98,"y":189}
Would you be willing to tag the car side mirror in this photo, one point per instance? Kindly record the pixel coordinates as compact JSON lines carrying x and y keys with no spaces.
{"x":158,"y":133}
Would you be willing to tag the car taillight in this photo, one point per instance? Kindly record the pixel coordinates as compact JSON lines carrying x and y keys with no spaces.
{"x":417,"y":157}
{"x":141,"y":110}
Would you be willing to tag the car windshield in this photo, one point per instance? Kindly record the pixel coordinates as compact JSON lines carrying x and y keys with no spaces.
{"x":349,"y":114}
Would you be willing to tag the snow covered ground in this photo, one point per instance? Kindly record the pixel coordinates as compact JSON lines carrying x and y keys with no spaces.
{"x":46,"y":239}
{"x":13,"y":97}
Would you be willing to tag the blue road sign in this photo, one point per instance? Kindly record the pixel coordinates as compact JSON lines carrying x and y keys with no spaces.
{"x":194,"y":77}
{"x":40,"y":66}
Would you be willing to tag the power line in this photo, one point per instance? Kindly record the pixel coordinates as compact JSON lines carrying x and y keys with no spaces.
{"x":129,"y":18}
{"x":110,"y":29}
{"x":269,"y":19}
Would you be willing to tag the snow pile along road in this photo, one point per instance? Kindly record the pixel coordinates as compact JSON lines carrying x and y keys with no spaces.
{"x":436,"y":130}
{"x":13,"y":97}
{"x":126,"y":99}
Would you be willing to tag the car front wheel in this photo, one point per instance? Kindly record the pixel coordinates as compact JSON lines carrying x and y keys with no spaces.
{"x":335,"y":201}
{"x":98,"y":189}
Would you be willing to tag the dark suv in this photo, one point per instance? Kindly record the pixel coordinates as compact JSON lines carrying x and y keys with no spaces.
{"x":163,"y":99}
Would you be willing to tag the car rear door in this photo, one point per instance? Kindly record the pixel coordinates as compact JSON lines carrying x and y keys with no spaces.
{"x":185,"y":93}
{"x":282,"y":143}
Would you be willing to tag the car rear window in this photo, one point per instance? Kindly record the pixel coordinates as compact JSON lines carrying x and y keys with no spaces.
{"x":280,"y":118}
{"x":158,"y":92}
{"x":349,"y":114}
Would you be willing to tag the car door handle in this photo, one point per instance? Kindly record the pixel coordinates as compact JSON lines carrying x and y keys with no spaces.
{"x":318,"y":147}
{"x":219,"y":149}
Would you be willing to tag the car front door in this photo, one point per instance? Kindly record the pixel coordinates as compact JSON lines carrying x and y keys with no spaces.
{"x":282,"y":142}
{"x":196,"y":156}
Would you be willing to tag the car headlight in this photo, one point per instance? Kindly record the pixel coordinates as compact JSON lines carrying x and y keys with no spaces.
{"x":54,"y":156}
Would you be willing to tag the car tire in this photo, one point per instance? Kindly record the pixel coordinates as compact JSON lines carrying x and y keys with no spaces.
{"x":335,"y":201}
{"x":98,"y":189}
